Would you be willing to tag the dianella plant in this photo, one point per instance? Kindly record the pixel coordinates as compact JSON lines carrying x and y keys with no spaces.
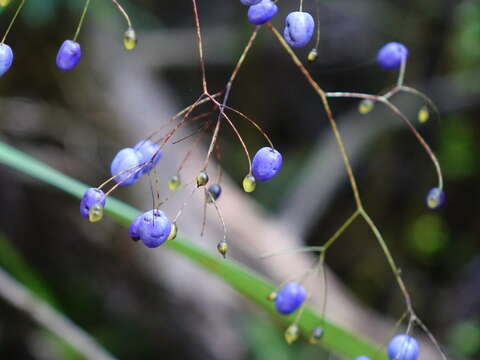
{"x":212,"y":113}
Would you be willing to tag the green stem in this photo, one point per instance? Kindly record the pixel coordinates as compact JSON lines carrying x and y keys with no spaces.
{"x":13,"y":20}
{"x":82,"y":18}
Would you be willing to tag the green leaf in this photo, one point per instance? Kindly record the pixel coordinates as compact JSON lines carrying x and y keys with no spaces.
{"x":250,"y":284}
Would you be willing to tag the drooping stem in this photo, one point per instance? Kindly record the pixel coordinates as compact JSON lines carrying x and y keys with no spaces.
{"x":123,"y":12}
{"x":328,"y":111}
{"x":200,"y":46}
{"x":385,"y":100}
{"x":324,"y":98}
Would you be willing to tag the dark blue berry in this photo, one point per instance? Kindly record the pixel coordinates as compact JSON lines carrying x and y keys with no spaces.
{"x":391,"y":55}
{"x":6,"y":58}
{"x":403,"y":347}
{"x":154,"y":228}
{"x":266,"y":163}
{"x":289,"y":298}
{"x":299,"y":28}
{"x":146,"y":150}
{"x":215,"y":190}
{"x":125,"y":167}
{"x":435,"y":198}
{"x":69,"y":55}
{"x":91,"y":197}
{"x":262,"y":12}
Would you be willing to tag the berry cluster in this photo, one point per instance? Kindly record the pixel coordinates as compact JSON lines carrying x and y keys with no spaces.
{"x":70,"y":52}
{"x":154,"y":227}
{"x":299,"y":25}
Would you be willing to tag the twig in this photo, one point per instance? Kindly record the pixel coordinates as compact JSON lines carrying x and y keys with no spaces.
{"x":20,"y":297}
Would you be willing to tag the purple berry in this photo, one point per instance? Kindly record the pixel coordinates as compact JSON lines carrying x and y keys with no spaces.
{"x":362,"y":358}
{"x":125,"y":167}
{"x":154,"y":228}
{"x":250,"y":2}
{"x":266,"y":163}
{"x":403,"y":347}
{"x":262,"y":12}
{"x":69,"y":55}
{"x":91,"y":197}
{"x":299,"y":28}
{"x":146,"y":150}
{"x":391,"y":55}
{"x":6,"y":58}
{"x":133,"y":229}
{"x":289,"y":298}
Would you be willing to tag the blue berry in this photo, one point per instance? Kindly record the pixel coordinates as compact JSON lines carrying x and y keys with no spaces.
{"x":91,"y":197}
{"x":250,"y":2}
{"x":133,"y":229}
{"x":435,"y":198}
{"x":266,"y":163}
{"x":289,"y":298}
{"x":154,"y":228}
{"x":363,"y":357}
{"x":403,"y":347}
{"x":6,"y":58}
{"x":126,"y":166}
{"x":391,"y":55}
{"x":69,"y":55}
{"x":299,"y":28}
{"x":146,"y":150}
{"x":262,"y":12}
{"x":215,"y":191}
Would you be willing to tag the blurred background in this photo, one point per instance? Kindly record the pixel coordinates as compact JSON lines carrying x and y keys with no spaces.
{"x":143,"y":304}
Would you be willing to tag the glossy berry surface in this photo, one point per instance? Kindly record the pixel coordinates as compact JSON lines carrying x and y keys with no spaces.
{"x":215,"y":190}
{"x":154,"y":228}
{"x":299,"y":28}
{"x":146,"y":150}
{"x":391,"y":55}
{"x":289,"y":298}
{"x":91,"y":197}
{"x":69,"y":55}
{"x":266,"y":163}
{"x":133,"y":228}
{"x":262,"y":12}
{"x":403,"y":347}
{"x":250,"y":2}
{"x":6,"y":58}
{"x":126,"y":165}
{"x":362,"y":358}
{"x":435,"y":198}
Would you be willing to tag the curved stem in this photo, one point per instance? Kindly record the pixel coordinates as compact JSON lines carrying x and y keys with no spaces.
{"x":124,"y":13}
{"x":328,"y":111}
